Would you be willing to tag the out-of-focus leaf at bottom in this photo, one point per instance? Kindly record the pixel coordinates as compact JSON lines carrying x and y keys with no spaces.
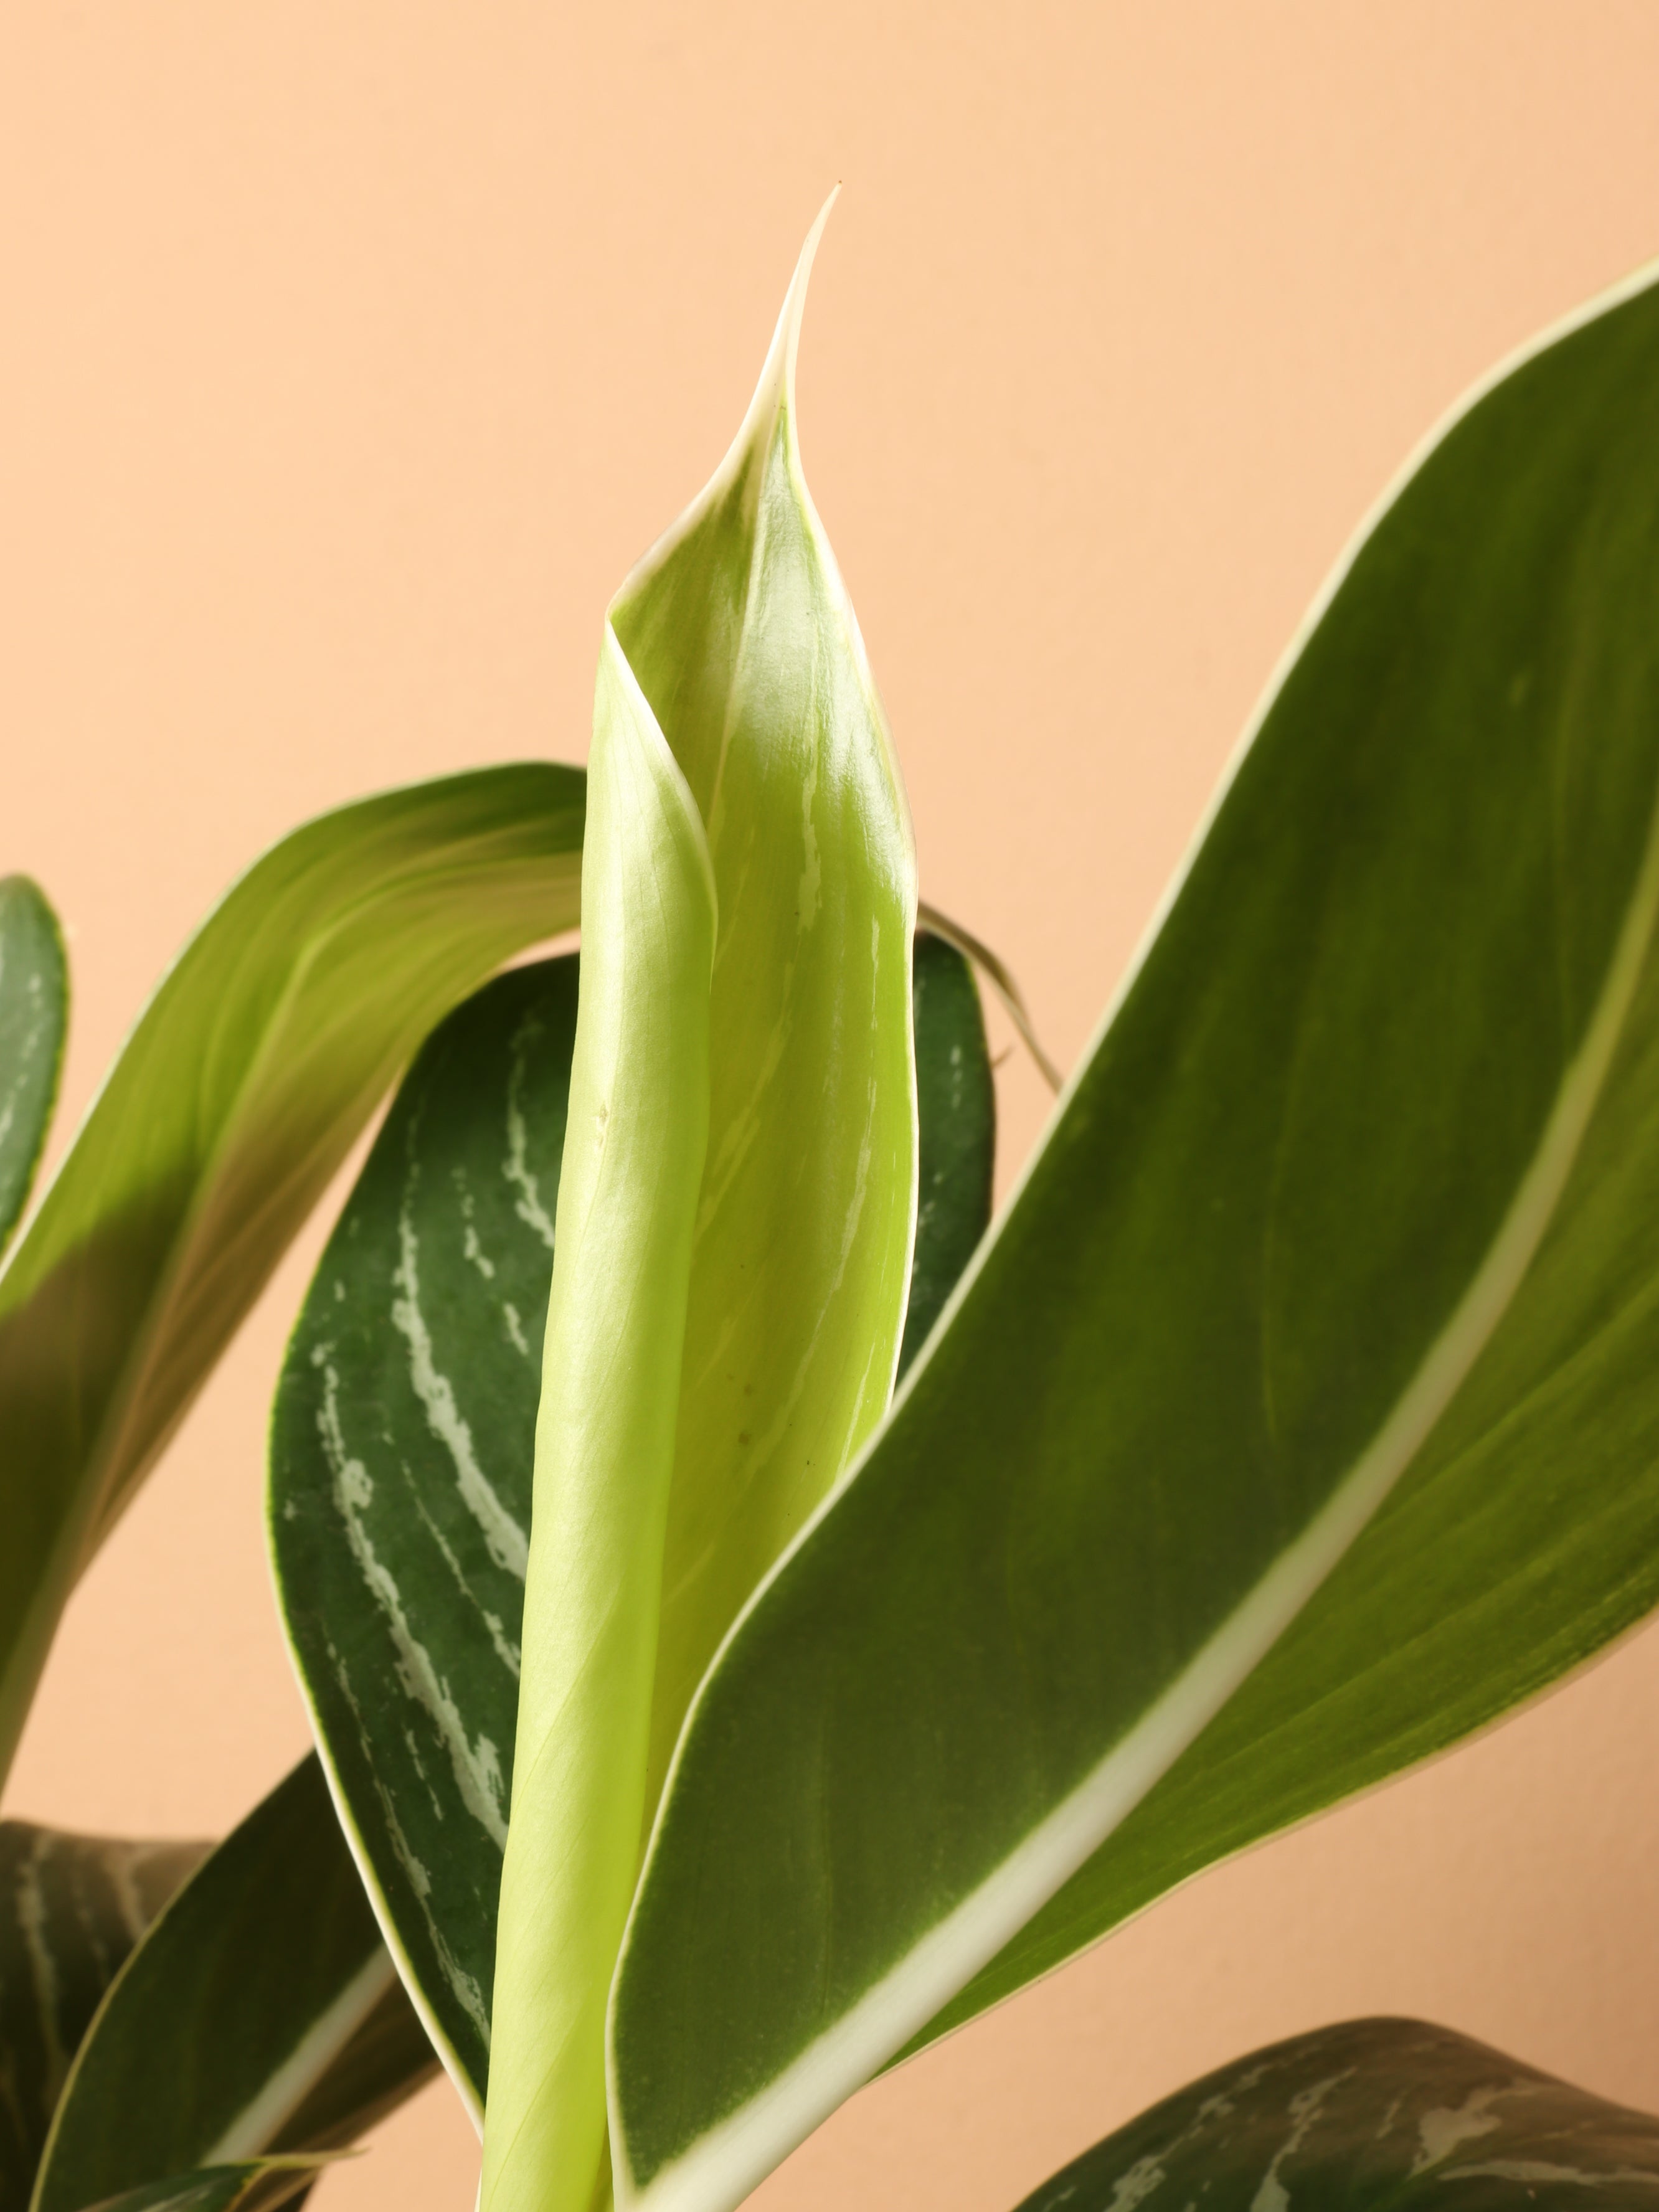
{"x":254,"y":2186}
{"x":1368,"y":2115}
{"x":262,"y":2012}
{"x":71,"y":1908}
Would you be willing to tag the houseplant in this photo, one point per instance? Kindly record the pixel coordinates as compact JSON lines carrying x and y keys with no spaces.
{"x":1290,"y":1424}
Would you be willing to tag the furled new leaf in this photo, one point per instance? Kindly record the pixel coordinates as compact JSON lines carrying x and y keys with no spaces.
{"x":254,"y":1067}
{"x":735,"y":1215}
{"x":1351,"y":1198}
{"x":34,"y":1015}
{"x":403,"y":1435}
{"x":1375,"y":2115}
{"x":261,"y":2013}
{"x":71,"y":1908}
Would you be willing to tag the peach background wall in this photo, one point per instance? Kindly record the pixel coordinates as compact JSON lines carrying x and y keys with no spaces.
{"x":351,"y":352}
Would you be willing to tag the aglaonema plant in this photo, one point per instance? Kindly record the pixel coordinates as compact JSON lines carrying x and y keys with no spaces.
{"x":755,"y":1613}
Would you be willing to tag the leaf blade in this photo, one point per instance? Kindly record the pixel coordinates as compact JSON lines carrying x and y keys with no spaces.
{"x":260,"y":2014}
{"x":1368,"y":2113}
{"x":1395,"y":1658}
{"x":400,"y":1473}
{"x":449,"y":1220}
{"x":956,"y":1132}
{"x":1180,"y":1338}
{"x":605,"y":1448}
{"x":34,"y":1019}
{"x":744,"y":639}
{"x":71,"y":1908}
{"x":252,"y":2185}
{"x":293,"y":1007}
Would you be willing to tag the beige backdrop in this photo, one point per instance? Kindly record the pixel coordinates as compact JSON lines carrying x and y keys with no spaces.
{"x":351,"y":353}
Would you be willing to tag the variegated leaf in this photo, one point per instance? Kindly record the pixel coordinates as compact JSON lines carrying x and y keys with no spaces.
{"x":402,"y":1441}
{"x":399,"y":1508}
{"x":1371,"y":2116}
{"x":33,"y":1016}
{"x":261,"y":2013}
{"x":71,"y":1908}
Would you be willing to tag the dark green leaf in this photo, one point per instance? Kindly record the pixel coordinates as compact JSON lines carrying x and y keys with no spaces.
{"x":261,"y":2013}
{"x":71,"y":1908}
{"x":33,"y":1016}
{"x":260,"y":1059}
{"x":400,"y":1467}
{"x":401,"y":1449}
{"x":1371,"y":2116}
{"x":957,"y":1105}
{"x":1355,"y":1196}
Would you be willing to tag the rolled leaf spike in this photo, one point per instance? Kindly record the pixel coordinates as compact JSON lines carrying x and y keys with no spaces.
{"x":735,"y":1217}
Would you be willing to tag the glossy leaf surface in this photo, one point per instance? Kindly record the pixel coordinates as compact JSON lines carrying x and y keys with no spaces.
{"x":71,"y":1908}
{"x":261,"y":2013}
{"x":404,"y":1426}
{"x":258,"y":1059}
{"x":1371,"y":2114}
{"x":33,"y":1016}
{"x":1344,"y":1195}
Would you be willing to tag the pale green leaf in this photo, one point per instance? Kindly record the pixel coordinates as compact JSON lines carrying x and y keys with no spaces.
{"x":71,"y":1908}
{"x":735,"y":1215}
{"x":402,"y":1433}
{"x":260,"y":2013}
{"x":739,"y":631}
{"x":33,"y":1016}
{"x":1370,"y":2115}
{"x":616,"y":1322}
{"x":1352,"y":1201}
{"x":236,"y":1096}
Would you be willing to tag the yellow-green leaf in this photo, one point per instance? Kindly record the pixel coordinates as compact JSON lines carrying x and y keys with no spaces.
{"x":261,"y":1056}
{"x":735,"y":1216}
